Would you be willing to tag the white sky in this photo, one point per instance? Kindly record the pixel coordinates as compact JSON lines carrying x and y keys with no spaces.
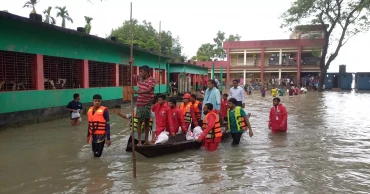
{"x":195,"y":21}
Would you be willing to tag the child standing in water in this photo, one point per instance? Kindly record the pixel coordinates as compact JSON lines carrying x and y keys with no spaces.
{"x":98,"y":132}
{"x":263,"y":92}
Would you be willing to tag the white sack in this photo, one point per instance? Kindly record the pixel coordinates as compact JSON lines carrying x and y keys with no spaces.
{"x":162,"y":138}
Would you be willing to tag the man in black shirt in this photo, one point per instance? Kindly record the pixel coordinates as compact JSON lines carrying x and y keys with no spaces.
{"x":75,"y":107}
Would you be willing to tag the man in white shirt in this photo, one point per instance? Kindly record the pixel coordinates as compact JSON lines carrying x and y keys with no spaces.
{"x":237,"y":92}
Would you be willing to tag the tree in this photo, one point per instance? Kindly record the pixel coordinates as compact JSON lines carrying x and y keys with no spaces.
{"x":147,"y":37}
{"x":219,"y":51}
{"x":346,"y":18}
{"x":48,"y":18}
{"x":88,"y":24}
{"x":233,"y":38}
{"x":31,"y":4}
{"x":63,"y":13}
{"x":205,"y":52}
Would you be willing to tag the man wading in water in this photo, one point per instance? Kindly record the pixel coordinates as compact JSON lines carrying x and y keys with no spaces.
{"x":99,"y":129}
{"x":278,"y":117}
{"x":145,"y":97}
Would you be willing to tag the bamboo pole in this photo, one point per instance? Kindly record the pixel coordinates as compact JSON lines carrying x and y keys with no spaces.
{"x":159,"y":58}
{"x":132,"y":98}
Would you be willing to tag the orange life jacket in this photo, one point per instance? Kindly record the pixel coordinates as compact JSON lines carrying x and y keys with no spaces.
{"x":196,"y":109}
{"x":97,"y":123}
{"x":216,"y":131}
{"x":186,"y":111}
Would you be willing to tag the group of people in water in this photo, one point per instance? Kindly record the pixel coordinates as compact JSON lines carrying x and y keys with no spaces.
{"x":155,"y":114}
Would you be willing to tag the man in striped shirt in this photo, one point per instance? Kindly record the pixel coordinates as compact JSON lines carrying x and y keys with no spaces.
{"x":145,"y":97}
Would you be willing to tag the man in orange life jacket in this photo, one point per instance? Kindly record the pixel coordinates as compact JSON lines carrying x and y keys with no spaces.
{"x":197,"y":108}
{"x":212,"y":132}
{"x":278,"y":117}
{"x":188,"y":113}
{"x":163,"y":117}
{"x":176,"y":115}
{"x":99,"y":129}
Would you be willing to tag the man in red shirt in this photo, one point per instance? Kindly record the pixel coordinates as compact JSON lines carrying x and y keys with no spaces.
{"x":212,"y":132}
{"x":163,"y":116}
{"x":278,"y":117}
{"x":145,"y":97}
{"x":188,"y":112}
{"x":176,"y":115}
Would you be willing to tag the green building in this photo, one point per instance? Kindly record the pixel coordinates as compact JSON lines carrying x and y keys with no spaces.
{"x":43,"y":65}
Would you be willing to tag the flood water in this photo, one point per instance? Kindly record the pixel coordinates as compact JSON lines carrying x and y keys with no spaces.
{"x":326,"y":150}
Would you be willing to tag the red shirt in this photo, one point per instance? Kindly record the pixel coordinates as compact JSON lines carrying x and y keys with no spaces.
{"x":211,"y":120}
{"x":178,"y":119}
{"x":278,"y":118}
{"x":193,"y":117}
{"x":163,"y":119}
{"x":204,"y":82}
{"x":144,"y":99}
{"x":224,"y":107}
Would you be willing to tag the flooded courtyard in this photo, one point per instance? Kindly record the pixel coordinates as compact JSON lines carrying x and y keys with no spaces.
{"x":326,"y":150}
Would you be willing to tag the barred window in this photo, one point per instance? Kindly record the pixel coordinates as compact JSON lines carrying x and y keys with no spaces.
{"x":62,"y":73}
{"x":17,"y":71}
{"x":124,"y":75}
{"x":101,"y":74}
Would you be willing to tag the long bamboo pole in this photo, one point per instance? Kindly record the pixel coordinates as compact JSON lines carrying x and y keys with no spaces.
{"x":132,"y":98}
{"x":159,"y":58}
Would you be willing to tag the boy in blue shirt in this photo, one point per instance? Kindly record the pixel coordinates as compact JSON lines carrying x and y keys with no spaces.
{"x":238,"y":121}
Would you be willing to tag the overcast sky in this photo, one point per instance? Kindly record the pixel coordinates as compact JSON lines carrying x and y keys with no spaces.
{"x":195,"y":21}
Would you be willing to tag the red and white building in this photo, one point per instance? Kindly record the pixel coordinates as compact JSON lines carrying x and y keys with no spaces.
{"x":262,"y":60}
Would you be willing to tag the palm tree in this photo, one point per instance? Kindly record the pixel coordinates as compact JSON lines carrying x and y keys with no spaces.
{"x":63,"y":13}
{"x":48,"y":18}
{"x":31,"y":3}
{"x":88,"y":24}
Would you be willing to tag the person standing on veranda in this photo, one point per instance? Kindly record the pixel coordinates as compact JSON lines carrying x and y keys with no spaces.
{"x":145,"y":97}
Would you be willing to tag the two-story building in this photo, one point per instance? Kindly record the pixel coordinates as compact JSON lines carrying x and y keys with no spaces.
{"x":263,"y":60}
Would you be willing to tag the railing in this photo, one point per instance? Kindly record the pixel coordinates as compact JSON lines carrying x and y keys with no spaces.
{"x":310,"y":61}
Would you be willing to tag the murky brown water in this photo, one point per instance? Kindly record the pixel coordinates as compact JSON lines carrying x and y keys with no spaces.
{"x":327,"y":150}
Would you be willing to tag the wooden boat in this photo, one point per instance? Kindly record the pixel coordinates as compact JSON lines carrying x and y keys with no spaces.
{"x":174,"y":145}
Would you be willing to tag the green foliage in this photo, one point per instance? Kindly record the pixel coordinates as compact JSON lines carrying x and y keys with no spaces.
{"x":48,"y":18}
{"x":88,"y":24}
{"x":210,"y":51}
{"x":206,"y":52}
{"x":31,"y":4}
{"x":339,"y":19}
{"x":233,"y":38}
{"x":63,"y":13}
{"x":147,"y":37}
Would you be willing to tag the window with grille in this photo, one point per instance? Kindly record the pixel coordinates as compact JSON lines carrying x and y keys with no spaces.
{"x":125,"y":75}
{"x":17,"y":71}
{"x":62,"y":73}
{"x":160,"y":80}
{"x":101,"y":74}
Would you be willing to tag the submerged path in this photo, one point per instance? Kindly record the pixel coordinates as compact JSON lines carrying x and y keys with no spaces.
{"x":326,"y":150}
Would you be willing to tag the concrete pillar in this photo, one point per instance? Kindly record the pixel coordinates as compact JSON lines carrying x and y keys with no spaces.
{"x":245,"y":57}
{"x":299,"y":66}
{"x":165,"y":77}
{"x":116,"y":75}
{"x":138,"y":70}
{"x":281,"y":57}
{"x":262,"y":63}
{"x":152,"y":72}
{"x":228,"y":68}
{"x":39,"y":72}
{"x":279,"y":76}
{"x":244,"y":76}
{"x":85,"y":74}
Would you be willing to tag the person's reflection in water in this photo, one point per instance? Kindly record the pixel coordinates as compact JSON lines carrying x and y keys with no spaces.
{"x":99,"y":182}
{"x":211,"y":168}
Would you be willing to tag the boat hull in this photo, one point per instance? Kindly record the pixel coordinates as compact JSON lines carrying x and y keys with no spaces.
{"x":174,"y":145}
